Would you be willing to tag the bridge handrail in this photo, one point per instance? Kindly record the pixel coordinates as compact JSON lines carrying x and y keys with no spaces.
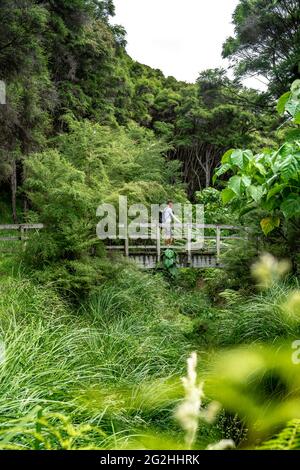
{"x":193,"y":225}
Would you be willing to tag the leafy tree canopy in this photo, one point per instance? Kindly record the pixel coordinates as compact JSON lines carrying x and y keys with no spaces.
{"x":266,"y":41}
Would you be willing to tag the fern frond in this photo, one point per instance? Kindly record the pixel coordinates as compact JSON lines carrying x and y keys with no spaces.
{"x":287,"y":439}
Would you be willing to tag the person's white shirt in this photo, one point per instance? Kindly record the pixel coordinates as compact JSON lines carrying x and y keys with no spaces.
{"x":168,"y":216}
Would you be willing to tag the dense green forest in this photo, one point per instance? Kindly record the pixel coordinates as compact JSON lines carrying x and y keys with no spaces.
{"x":92,"y":348}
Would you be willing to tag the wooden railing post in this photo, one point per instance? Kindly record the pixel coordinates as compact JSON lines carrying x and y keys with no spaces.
{"x":218,"y":243}
{"x":189,"y":244}
{"x":158,"y":242}
{"x":21,"y":231}
{"x":22,"y":238}
{"x":126,"y":247}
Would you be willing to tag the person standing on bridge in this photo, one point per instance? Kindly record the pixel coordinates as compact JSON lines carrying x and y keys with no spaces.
{"x":168,"y":217}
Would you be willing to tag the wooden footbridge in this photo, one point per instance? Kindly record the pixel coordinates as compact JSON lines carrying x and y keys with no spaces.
{"x":201,"y":247}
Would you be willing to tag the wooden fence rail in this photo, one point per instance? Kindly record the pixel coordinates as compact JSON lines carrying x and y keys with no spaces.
{"x":22,"y":230}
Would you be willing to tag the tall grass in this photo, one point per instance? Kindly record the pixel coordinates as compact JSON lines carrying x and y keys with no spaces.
{"x":105,"y":373}
{"x":260,"y":317}
{"x":113,"y":363}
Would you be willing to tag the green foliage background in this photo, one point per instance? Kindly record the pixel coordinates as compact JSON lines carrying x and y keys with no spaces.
{"x":92,"y":351}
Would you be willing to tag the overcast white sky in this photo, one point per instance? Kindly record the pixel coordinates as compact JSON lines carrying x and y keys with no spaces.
{"x":180,"y":37}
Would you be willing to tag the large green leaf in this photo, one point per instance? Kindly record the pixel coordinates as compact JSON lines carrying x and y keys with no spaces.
{"x":293,"y":107}
{"x":289,"y":168}
{"x":275,"y":190}
{"x":271,"y":180}
{"x":227,"y":195}
{"x":237,"y":158}
{"x":282,"y":102}
{"x":293,"y":134}
{"x":226,"y":156}
{"x":223,"y":169}
{"x":284,"y":150}
{"x":235,"y":184}
{"x":269,"y":223}
{"x":297,"y":117}
{"x":169,"y":262}
{"x":173,"y":271}
{"x":260,"y":167}
{"x":256,"y":193}
{"x":170,"y":253}
{"x":246,"y":180}
{"x":291,"y":206}
{"x":295,"y":88}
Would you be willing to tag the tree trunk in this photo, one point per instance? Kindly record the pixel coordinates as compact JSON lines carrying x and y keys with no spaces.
{"x":13,"y":180}
{"x":207,"y":177}
{"x":24,"y":197}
